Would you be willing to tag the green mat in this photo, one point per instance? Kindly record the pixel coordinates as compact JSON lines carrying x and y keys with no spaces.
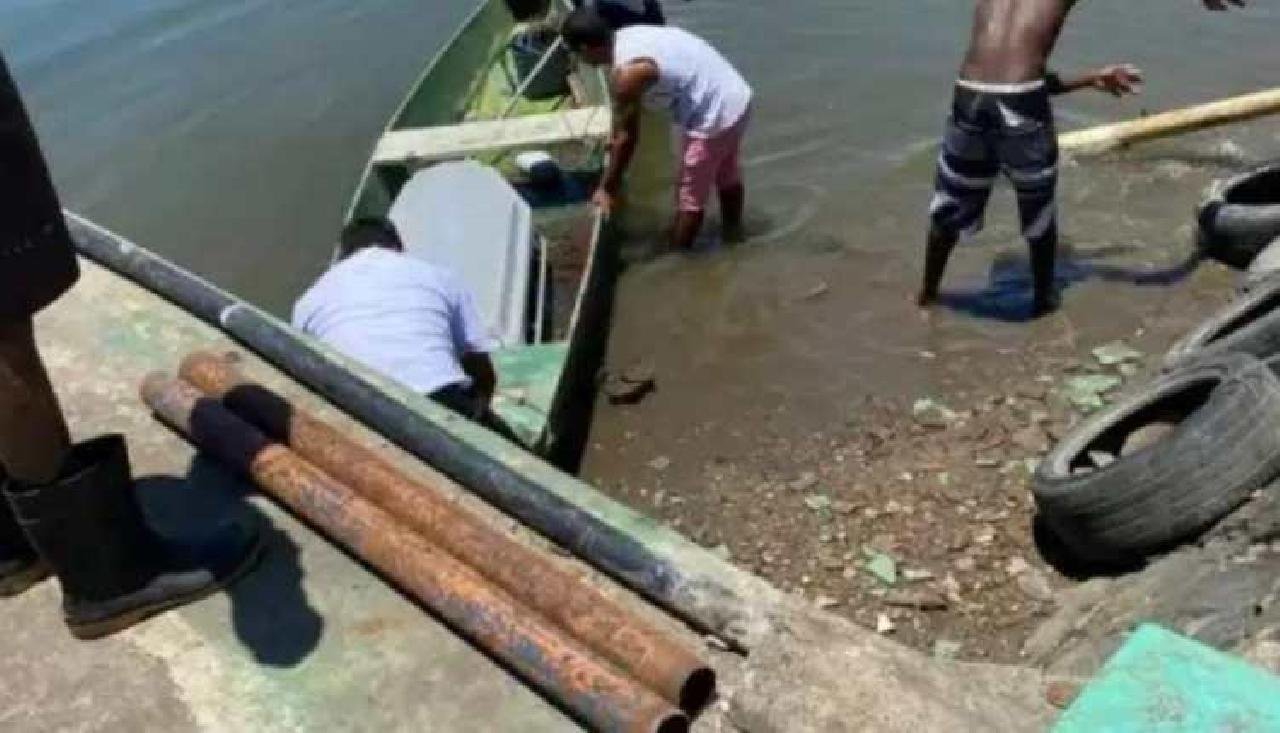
{"x":1160,"y":682}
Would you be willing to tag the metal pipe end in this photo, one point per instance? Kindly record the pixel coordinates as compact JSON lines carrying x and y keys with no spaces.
{"x":698,"y":690}
{"x":674,"y":723}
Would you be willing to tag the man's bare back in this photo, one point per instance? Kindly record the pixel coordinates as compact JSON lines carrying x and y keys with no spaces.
{"x":1012,"y":39}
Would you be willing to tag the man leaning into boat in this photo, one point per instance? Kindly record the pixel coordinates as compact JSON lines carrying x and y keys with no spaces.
{"x":402,"y":317}
{"x":711,"y":103}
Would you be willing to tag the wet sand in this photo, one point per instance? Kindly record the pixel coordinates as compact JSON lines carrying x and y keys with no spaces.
{"x":789,"y":373}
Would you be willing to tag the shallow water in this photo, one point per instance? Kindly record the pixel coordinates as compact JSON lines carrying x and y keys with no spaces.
{"x":229,"y":136}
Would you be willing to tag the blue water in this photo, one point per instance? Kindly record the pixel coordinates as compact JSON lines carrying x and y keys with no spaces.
{"x":229,"y":134}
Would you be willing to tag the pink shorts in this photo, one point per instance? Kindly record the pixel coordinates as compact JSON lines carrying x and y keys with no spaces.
{"x":708,"y":162}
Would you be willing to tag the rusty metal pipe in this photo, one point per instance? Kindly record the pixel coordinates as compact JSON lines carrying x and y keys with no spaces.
{"x":647,"y":654}
{"x":557,"y":664}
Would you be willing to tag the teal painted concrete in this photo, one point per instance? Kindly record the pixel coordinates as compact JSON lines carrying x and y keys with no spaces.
{"x":1160,"y":682}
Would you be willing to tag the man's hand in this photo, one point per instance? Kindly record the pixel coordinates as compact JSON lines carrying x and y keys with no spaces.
{"x":1118,"y":80}
{"x":1222,"y":4}
{"x":604,"y":200}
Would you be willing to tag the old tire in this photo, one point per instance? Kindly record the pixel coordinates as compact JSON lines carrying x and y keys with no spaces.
{"x":1249,"y":325}
{"x":1225,"y":446}
{"x":1242,"y":216}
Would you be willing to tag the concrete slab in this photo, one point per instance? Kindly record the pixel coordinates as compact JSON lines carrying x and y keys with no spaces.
{"x":311,"y":641}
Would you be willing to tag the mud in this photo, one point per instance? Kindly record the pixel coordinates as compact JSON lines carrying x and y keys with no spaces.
{"x":782,"y":433}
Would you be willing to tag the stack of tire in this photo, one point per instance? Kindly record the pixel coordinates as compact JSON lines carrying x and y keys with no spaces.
{"x":1215,"y":410}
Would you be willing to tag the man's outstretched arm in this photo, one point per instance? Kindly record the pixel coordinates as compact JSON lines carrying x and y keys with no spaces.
{"x":1116,"y":80}
{"x":629,"y":83}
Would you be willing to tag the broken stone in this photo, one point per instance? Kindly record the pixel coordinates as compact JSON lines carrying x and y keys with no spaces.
{"x":966,"y":564}
{"x":985,"y":536}
{"x":818,"y":502}
{"x":1035,"y":585}
{"x":912,"y":575}
{"x":1101,"y":459}
{"x":884,"y":624}
{"x":1146,"y":436}
{"x":1061,"y":693}
{"x":723,"y":552}
{"x":932,"y":414}
{"x":661,"y":463}
{"x":817,"y":291}
{"x":919,"y":600}
{"x":1116,"y":353}
{"x":1033,"y":392}
{"x":825,"y":603}
{"x":622,"y":392}
{"x":843,"y":508}
{"x":1088,"y":392}
{"x":945,"y":649}
{"x":1017,"y":566}
{"x":882,"y":567}
{"x":807,"y":481}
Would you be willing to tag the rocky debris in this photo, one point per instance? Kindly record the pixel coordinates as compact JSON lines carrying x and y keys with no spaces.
{"x":1147,"y":436}
{"x":882,"y":567}
{"x":925,"y":499}
{"x":817,"y":291}
{"x":946,"y":649}
{"x":884,"y":624}
{"x":1117,"y":353}
{"x":1090,"y":392}
{"x":932,"y":414}
{"x":632,"y":385}
{"x":661,"y":463}
{"x":1035,"y":585}
{"x":825,"y":602}
{"x":919,"y":600}
{"x":1061,"y":693}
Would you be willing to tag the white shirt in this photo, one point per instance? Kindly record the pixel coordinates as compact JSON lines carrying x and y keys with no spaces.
{"x":400,"y":316}
{"x":703,"y":91}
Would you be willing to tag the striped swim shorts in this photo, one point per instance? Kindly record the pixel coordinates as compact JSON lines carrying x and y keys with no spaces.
{"x":994,"y":129}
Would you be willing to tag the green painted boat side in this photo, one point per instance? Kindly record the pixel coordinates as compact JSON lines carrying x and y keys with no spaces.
{"x":541,"y":386}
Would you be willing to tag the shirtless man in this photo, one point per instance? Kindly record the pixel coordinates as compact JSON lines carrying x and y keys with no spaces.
{"x":1002,"y":120}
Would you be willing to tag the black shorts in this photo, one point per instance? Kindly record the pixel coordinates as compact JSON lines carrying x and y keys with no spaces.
{"x":996,"y":129}
{"x":619,"y":15}
{"x":37,"y":259}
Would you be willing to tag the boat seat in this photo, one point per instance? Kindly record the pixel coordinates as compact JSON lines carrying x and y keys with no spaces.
{"x":434,"y":144}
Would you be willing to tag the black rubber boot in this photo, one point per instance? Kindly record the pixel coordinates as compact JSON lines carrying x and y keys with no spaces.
{"x":114,"y":570}
{"x":20,"y":566}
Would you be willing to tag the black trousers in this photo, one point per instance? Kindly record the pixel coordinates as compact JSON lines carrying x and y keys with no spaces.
{"x":37,"y":260}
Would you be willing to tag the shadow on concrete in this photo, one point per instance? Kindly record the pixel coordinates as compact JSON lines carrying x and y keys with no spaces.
{"x":270,"y":611}
{"x":1008,"y":292}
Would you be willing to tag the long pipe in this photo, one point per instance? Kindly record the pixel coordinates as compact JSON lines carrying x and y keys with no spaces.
{"x":1102,"y":139}
{"x":702,"y":590}
{"x":575,"y":604}
{"x":559,"y":665}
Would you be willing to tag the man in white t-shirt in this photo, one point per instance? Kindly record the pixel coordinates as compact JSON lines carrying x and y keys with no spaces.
{"x":673,"y":69}
{"x":402,"y":317}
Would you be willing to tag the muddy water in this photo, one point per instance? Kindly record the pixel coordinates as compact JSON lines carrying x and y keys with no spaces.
{"x":789,"y":333}
{"x":228,"y":136}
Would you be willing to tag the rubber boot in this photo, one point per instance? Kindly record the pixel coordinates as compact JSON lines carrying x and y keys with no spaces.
{"x":20,"y":566}
{"x":114,"y":570}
